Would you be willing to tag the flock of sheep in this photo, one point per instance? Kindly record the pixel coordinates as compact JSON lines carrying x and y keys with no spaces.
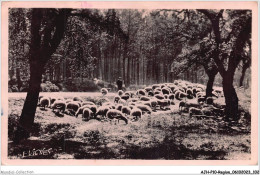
{"x":132,"y":105}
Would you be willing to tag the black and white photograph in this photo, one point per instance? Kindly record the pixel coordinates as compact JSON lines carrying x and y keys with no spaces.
{"x":129,"y":84}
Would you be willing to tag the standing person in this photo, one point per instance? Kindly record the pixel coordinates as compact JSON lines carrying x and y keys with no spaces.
{"x":119,"y":84}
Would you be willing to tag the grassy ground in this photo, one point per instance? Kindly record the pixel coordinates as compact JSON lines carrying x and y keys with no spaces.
{"x":161,"y":135}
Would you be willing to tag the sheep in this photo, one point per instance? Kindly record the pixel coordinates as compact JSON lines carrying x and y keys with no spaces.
{"x":183,"y":95}
{"x":93,"y":108}
{"x":141,"y":92}
{"x":154,"y":86}
{"x":59,"y":105}
{"x":104,"y":91}
{"x":125,"y":97}
{"x":209,"y":100}
{"x":143,"y":98}
{"x":126,"y":110}
{"x":201,"y":100}
{"x":158,"y":96}
{"x":119,"y":107}
{"x":136,"y":113}
{"x":166,"y":91}
{"x":177,"y":95}
{"x":154,"y":103}
{"x":117,"y":98}
{"x":87,"y":114}
{"x":163,"y":104}
{"x":189,"y":91}
{"x":200,"y":94}
{"x":156,"y":92}
{"x":148,"y":89}
{"x":120,"y":93}
{"x":72,"y":107}
{"x":150,"y":94}
{"x":115,"y":114}
{"x":182,"y":105}
{"x":144,"y":108}
{"x":102,"y":110}
{"x":171,"y":97}
{"x":45,"y":102}
{"x":195,"y":111}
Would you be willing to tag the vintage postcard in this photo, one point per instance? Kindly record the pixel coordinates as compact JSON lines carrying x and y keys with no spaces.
{"x":129,"y":83}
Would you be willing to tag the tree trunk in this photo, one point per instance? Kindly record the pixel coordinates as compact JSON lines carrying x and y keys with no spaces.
{"x":231,"y":98}
{"x":210,"y":84}
{"x":28,"y":113}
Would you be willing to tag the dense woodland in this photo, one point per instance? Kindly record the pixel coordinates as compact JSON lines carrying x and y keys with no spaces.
{"x":74,"y":46}
{"x":142,"y":46}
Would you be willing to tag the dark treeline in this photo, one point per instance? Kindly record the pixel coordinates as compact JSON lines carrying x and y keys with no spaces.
{"x":149,"y":52}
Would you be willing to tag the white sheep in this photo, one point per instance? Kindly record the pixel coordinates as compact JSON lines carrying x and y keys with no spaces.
{"x":120,"y":93}
{"x":44,"y":102}
{"x":59,"y":105}
{"x":136,"y":113}
{"x":144,"y":108}
{"x":72,"y":107}
{"x":104,"y":91}
{"x":102,"y":111}
{"x":93,"y":108}
{"x":126,"y":110}
{"x":115,"y":114}
{"x":87,"y":114}
{"x":117,"y":98}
